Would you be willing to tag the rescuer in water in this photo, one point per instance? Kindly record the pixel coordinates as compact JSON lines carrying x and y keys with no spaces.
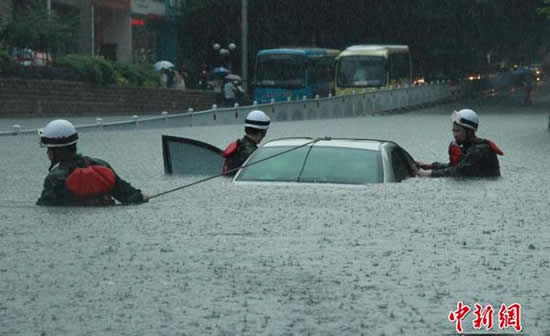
{"x":255,"y":129}
{"x":74,"y":179}
{"x":469,"y":156}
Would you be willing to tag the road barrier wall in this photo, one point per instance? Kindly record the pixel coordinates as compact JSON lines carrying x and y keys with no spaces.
{"x":45,"y":98}
{"x":346,"y":106}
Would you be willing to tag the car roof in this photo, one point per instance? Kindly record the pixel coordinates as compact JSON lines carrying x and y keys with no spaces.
{"x":367,"y":144}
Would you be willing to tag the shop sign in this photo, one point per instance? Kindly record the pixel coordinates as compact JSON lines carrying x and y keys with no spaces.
{"x":138,"y":22}
{"x":149,"y":7}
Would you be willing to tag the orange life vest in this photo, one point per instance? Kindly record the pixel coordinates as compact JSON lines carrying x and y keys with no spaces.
{"x":92,"y":182}
{"x":495,"y":148}
{"x":455,"y":153}
{"x":229,"y":151}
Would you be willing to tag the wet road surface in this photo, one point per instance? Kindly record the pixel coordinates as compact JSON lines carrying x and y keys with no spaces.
{"x":221,"y":259}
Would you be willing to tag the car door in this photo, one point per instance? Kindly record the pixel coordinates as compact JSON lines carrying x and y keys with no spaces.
{"x":401,"y":163}
{"x":184,"y":156}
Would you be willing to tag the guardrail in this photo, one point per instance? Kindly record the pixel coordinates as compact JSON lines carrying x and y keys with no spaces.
{"x":357,"y":104}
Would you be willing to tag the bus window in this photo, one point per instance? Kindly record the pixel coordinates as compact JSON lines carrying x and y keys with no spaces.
{"x":294,"y":73}
{"x":374,"y":66}
{"x":362,"y":71}
{"x":321,"y":76}
{"x":400,"y":69}
{"x":284,"y":71}
{"x":322,"y":70}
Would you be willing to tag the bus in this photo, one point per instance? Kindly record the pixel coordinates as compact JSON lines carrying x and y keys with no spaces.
{"x":368,"y":67}
{"x":294,"y":72}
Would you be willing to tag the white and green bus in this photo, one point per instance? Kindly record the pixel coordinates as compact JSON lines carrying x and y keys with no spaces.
{"x":366,"y":67}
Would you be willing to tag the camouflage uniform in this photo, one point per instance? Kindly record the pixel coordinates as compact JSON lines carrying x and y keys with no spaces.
{"x":479,"y":159}
{"x":247,"y":146}
{"x":56,"y":193}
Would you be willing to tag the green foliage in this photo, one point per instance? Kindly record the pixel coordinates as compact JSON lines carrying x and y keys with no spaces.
{"x":87,"y":67}
{"x":92,"y":69}
{"x":544,"y":9}
{"x":7,"y":64}
{"x":100,"y":71}
{"x":106,"y":68}
{"x":137,"y":75}
{"x":34,"y":28}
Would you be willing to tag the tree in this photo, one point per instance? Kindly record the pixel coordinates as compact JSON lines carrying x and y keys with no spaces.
{"x":35,"y":28}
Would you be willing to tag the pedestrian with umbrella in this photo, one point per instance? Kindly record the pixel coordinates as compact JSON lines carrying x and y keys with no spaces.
{"x":236,"y":87}
{"x":163,"y":65}
{"x":218,"y":81}
{"x":166,"y":70}
{"x":229,"y":92}
{"x":220,"y":72}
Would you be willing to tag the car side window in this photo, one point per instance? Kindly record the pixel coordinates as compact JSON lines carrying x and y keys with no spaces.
{"x":399,"y":164}
{"x":342,"y":165}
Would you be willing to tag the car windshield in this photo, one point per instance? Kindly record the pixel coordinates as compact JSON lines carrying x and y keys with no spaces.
{"x":282,"y":71}
{"x":285,"y":167}
{"x":361,"y":71}
{"x":322,"y":165}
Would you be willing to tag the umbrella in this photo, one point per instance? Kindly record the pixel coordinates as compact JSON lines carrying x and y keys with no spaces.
{"x":233,"y":77}
{"x":163,"y":65}
{"x":220,"y":71}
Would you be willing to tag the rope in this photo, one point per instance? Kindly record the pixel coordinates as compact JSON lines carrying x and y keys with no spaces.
{"x":235,"y":169}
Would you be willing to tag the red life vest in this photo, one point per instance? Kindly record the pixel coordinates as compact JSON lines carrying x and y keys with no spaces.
{"x":90,"y":181}
{"x":495,"y":148}
{"x":455,"y":153}
{"x":232,"y":148}
{"x":229,"y":151}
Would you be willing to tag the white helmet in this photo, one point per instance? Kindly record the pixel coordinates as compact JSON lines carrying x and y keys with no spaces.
{"x":257,"y":119}
{"x":466,"y":118}
{"x":58,"y":133}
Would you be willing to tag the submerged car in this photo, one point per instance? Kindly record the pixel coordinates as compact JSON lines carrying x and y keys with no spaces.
{"x":297,"y":160}
{"x":327,"y":160}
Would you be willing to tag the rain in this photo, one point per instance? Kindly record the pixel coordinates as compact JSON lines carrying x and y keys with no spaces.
{"x":225,"y":259}
{"x":420,"y":257}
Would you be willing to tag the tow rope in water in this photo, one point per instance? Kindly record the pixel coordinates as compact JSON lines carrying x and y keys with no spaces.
{"x":235,"y":169}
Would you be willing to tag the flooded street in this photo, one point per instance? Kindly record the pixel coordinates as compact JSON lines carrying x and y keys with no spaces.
{"x":222,"y":259}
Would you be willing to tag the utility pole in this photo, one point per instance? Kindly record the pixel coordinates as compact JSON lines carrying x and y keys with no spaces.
{"x":87,"y":38}
{"x":244,"y":43}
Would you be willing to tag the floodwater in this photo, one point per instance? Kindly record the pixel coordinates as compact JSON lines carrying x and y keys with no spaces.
{"x":222,"y":259}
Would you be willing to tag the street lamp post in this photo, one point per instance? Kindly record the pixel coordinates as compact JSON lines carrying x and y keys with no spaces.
{"x":244,"y":43}
{"x":225,"y":53}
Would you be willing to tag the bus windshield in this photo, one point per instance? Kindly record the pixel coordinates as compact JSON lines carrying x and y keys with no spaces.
{"x":362,"y":71}
{"x":281,"y":71}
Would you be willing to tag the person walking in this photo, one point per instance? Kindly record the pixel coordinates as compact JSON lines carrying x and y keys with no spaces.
{"x":229,"y":93}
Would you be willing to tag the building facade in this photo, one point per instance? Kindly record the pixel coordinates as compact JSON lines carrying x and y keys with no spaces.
{"x":120,"y":30}
{"x":131,"y":30}
{"x":155,"y":30}
{"x":6,"y":9}
{"x":112,"y":34}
